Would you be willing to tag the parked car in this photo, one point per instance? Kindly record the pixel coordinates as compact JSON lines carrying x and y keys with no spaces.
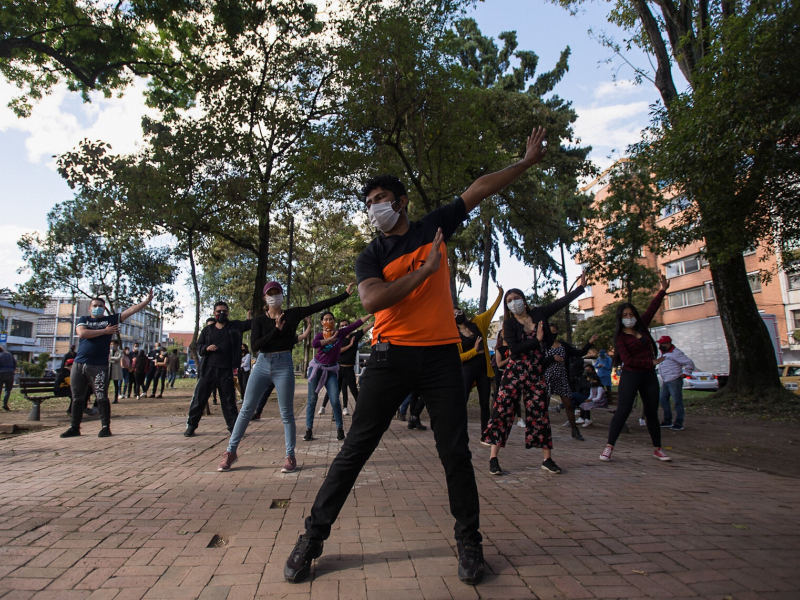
{"x":700,"y":380}
{"x":790,"y":377}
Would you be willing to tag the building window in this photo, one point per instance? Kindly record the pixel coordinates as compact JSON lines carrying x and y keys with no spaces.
{"x":676,"y":205}
{"x":709,"y":293}
{"x":755,"y":281}
{"x":683,"y":266}
{"x":794,"y":281}
{"x":685,"y":298}
{"x":749,"y":250}
{"x":796,"y":318}
{"x":615,"y":285}
{"x":21,"y":329}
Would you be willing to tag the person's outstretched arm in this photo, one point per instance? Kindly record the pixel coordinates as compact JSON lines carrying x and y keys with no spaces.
{"x":490,"y":184}
{"x":482,"y":320}
{"x":136,"y":308}
{"x":305,"y":311}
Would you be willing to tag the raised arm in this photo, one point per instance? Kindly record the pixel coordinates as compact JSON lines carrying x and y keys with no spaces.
{"x":656,"y":302}
{"x":557,"y":305}
{"x":377,"y":294}
{"x":305,"y":311}
{"x":482,"y":320}
{"x":490,"y":184}
{"x":134,"y":309}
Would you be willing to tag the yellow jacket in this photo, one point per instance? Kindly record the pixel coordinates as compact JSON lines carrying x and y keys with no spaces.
{"x":483,"y":321}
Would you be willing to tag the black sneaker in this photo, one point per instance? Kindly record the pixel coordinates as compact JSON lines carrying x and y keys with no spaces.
{"x":412,"y":422}
{"x":308,"y":436}
{"x":340,"y":434}
{"x":298,"y":565}
{"x":550,"y":465}
{"x":666,"y":424}
{"x":189,"y":431}
{"x":471,"y":565}
{"x":577,"y":434}
{"x":104,"y":432}
{"x":401,"y":416}
{"x":677,"y":428}
{"x":494,"y":467}
{"x":71,"y":432}
{"x":418,"y":424}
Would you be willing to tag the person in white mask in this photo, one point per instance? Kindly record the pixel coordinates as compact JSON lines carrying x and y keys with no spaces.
{"x":272,"y":337}
{"x":528,"y":336}
{"x":635,"y":350}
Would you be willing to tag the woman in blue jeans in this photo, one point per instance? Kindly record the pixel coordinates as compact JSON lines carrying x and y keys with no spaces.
{"x":272,"y":336}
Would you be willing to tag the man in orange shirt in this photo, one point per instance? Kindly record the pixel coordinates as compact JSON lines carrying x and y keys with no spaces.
{"x":403,"y":280}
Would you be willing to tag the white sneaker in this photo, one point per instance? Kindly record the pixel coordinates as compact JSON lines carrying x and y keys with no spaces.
{"x":520,"y":423}
{"x":642,"y":423}
{"x":566,"y":424}
{"x":587,"y":422}
{"x":321,"y":410}
{"x":579,"y":420}
{"x":344,"y":411}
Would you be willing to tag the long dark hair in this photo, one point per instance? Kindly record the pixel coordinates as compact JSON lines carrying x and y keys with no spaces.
{"x":507,"y":314}
{"x":246,"y":349}
{"x":640,"y":327}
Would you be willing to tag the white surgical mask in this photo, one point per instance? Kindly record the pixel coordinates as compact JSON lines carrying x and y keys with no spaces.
{"x":516,"y":306}
{"x":382,"y":216}
{"x":274,"y":301}
{"x":629,"y":322}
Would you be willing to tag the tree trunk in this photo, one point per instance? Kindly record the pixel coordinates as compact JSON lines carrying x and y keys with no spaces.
{"x":261,"y":269}
{"x":289,"y":266}
{"x":566,"y":291}
{"x":753,"y":366}
{"x":486,"y":266}
{"x":193,"y":344}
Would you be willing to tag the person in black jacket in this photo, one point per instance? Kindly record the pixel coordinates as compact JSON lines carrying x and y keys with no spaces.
{"x":557,"y":374}
{"x":220,"y":346}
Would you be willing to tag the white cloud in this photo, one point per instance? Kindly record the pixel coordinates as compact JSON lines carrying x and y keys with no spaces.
{"x":615,"y":89}
{"x":10,"y":255}
{"x":60,"y":120}
{"x":610,"y":129}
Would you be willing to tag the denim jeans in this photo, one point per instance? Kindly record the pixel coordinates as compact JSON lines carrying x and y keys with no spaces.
{"x":332,"y":386}
{"x":270,"y":368}
{"x":404,"y":406}
{"x":171,"y":378}
{"x":672,"y":388}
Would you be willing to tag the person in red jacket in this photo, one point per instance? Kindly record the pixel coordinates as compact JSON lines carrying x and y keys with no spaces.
{"x":635,"y":349}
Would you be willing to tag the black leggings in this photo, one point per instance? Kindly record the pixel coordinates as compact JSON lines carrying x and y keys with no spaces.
{"x":476,"y":373}
{"x":646,"y":385}
{"x":140,"y":379}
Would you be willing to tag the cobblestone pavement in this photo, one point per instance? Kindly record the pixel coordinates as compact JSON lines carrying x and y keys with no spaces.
{"x":145,"y":514}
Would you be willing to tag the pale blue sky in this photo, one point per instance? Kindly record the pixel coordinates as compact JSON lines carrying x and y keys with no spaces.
{"x":610,"y":117}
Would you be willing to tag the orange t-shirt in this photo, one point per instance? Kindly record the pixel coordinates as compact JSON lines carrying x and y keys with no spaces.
{"x":425,"y":316}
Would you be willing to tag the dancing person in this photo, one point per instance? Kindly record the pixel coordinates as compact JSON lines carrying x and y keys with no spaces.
{"x":476,"y":367}
{"x":140,"y":364}
{"x":272,"y":337}
{"x":271,"y":386}
{"x":244,"y":369}
{"x":403,"y":280}
{"x":115,"y":368}
{"x":635,"y":349}
{"x":556,"y":374}
{"x":603,"y":366}
{"x":90,"y":368}
{"x":597,"y":399}
{"x":502,"y":354}
{"x":173,"y":365}
{"x":347,"y":363}
{"x":8,"y":366}
{"x":219,"y":345}
{"x":161,"y":373}
{"x":672,"y":369}
{"x":324,"y":370}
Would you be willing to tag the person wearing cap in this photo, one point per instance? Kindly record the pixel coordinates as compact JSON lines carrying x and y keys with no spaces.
{"x":219,"y":344}
{"x":273,"y":337}
{"x":675,"y":365}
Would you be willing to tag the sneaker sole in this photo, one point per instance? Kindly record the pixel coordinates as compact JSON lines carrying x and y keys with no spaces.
{"x":663,"y":458}
{"x":285,"y":470}
{"x":549,"y":471}
{"x":605,"y":458}
{"x":497,"y":473}
{"x":485,"y":444}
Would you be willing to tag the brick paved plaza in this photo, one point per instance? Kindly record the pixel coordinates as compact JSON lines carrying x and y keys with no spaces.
{"x":144,"y":514}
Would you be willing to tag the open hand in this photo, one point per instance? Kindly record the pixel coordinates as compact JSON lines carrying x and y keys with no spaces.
{"x":149,"y":296}
{"x":279,"y":322}
{"x":350,"y":287}
{"x":664,"y":282}
{"x":593,"y":338}
{"x":535,"y":148}
{"x":540,"y":331}
{"x":478,"y":343}
{"x":112,"y":329}
{"x":211,"y":348}
{"x":435,"y":255}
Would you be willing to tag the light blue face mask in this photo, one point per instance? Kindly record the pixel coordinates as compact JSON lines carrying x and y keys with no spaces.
{"x":97,"y":311}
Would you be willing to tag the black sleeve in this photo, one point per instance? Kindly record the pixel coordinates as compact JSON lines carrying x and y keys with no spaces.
{"x":448,"y":217}
{"x":260,"y":338}
{"x":305,"y":311}
{"x":367,"y":265}
{"x":513,"y":341}
{"x":202,"y":341}
{"x":579,"y":352}
{"x":243,"y":326}
{"x":357,"y":336}
{"x":554,"y":307}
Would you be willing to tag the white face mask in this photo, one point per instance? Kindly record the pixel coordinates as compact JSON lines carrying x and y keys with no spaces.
{"x":382,"y":216}
{"x":629,"y":322}
{"x":516,"y":306}
{"x":274,"y":301}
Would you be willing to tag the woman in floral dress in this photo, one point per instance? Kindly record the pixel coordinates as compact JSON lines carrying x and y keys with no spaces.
{"x":523,"y":380}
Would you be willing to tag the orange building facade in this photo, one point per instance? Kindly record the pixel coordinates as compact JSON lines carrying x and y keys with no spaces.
{"x":691,"y":293}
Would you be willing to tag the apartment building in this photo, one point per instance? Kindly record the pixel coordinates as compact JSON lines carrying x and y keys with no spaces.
{"x":56,"y":327}
{"x":691,"y":292}
{"x":18,"y":325}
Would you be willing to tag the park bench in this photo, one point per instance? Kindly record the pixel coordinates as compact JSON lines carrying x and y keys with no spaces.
{"x":37,"y":390}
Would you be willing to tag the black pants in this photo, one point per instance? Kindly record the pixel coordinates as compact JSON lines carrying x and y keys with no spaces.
{"x":212,"y":379}
{"x":243,"y":377}
{"x":83,"y":379}
{"x":148,"y":378}
{"x":7,"y":382}
{"x":435,"y":372}
{"x":139,"y":383}
{"x":264,"y":397}
{"x":161,"y":375}
{"x":646,"y":385}
{"x":475,"y":372}
{"x":117,"y":385}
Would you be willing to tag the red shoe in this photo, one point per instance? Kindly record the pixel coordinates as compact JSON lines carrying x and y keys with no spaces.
{"x":606,"y":455}
{"x":290,"y":466}
{"x":228,"y":458}
{"x":659,"y":454}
